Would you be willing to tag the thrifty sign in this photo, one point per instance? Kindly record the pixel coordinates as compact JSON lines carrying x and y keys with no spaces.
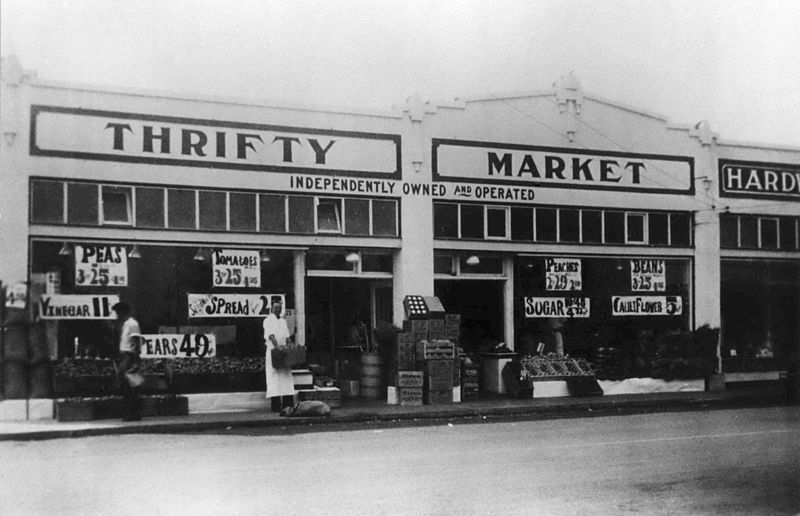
{"x":232,"y":305}
{"x":179,"y":345}
{"x":646,"y":305}
{"x":569,"y":307}
{"x":77,"y":306}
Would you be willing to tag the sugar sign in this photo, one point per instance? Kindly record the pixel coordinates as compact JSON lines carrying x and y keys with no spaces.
{"x":236,"y":268}
{"x":563,"y":274}
{"x":648,"y":275}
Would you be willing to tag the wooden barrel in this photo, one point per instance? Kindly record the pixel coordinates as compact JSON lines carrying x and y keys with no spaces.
{"x":371,"y":376}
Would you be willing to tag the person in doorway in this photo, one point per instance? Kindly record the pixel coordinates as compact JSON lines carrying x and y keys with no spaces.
{"x":129,"y":362}
{"x":280,"y":386}
{"x":556,"y":326}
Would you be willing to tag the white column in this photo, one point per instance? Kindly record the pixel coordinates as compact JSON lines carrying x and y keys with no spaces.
{"x":300,"y":296}
{"x":508,"y":302}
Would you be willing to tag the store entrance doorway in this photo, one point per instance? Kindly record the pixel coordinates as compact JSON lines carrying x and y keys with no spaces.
{"x":480,"y":304}
{"x":340,"y":315}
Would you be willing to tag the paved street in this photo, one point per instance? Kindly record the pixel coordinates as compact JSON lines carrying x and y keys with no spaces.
{"x":743,"y":461}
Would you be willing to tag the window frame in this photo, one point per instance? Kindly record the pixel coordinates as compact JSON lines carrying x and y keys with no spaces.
{"x":336,"y":202}
{"x":129,"y":193}
{"x":506,"y":222}
{"x":645,"y":227}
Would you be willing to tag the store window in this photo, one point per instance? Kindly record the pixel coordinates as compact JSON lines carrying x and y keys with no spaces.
{"x":384,"y":218}
{"x":484,"y":265}
{"x":748,"y":232}
{"x":522,"y":224}
{"x":329,"y":215}
{"x":614,"y":227}
{"x":272,"y":213}
{"x":497,"y":223}
{"x":149,"y":207}
{"x":301,"y":214}
{"x":591,"y":226}
{"x":47,"y":202}
{"x":356,"y":216}
{"x":635,"y":228}
{"x":242,"y":211}
{"x":768,"y":232}
{"x":375,"y":262}
{"x":445,"y":220}
{"x":788,"y":234}
{"x":680,"y":228}
{"x":443,"y":264}
{"x":116,"y":205}
{"x":181,"y":209}
{"x":569,"y":226}
{"x":82,"y":200}
{"x":471,"y":221}
{"x":658,"y":229}
{"x":729,"y":231}
{"x":213,"y":211}
{"x":328,"y":261}
{"x":546,"y":225}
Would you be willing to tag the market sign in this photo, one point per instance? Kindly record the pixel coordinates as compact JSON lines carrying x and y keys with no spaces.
{"x":232,"y":305}
{"x":646,"y":305}
{"x":755,"y":179}
{"x":101,"y":266}
{"x":562,"y":274}
{"x":236,"y":268}
{"x":533,"y":166}
{"x":211,"y":144}
{"x":77,"y":306}
{"x":648,"y":275}
{"x":569,"y":307}
{"x":180,"y":345}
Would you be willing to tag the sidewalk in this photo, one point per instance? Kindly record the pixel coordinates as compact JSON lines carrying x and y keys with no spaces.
{"x":358,"y":413}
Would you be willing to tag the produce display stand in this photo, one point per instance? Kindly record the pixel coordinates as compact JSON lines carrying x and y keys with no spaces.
{"x":114,"y":407}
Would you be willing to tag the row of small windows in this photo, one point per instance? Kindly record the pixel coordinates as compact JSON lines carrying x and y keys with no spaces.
{"x":81,"y":203}
{"x":759,"y":232}
{"x":567,"y":225}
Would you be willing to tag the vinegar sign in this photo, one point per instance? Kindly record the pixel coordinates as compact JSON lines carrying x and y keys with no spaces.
{"x":236,"y":268}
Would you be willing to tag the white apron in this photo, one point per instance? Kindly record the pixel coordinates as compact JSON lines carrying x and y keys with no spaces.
{"x":279,"y":381}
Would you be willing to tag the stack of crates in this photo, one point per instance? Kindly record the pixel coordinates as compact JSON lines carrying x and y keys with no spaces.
{"x":404,"y":373}
{"x":469,"y":381}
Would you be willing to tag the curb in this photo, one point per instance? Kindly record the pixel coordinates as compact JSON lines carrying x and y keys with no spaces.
{"x":592,"y":407}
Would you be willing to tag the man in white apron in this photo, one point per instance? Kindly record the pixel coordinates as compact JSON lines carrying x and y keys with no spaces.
{"x":280,"y":386}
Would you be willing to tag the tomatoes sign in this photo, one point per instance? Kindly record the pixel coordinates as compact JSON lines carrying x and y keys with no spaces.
{"x":236,"y":268}
{"x":101,"y":266}
{"x":187,"y":345}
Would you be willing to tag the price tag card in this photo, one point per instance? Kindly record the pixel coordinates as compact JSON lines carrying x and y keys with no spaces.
{"x":566,"y":307}
{"x":77,"y":306}
{"x":185,"y":345}
{"x":101,"y":266}
{"x":236,"y":268}
{"x":646,"y":305}
{"x":648,"y":275}
{"x":232,"y":305}
{"x":563,"y":274}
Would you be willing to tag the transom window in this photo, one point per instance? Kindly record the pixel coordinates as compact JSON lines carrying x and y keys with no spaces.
{"x":329,"y":215}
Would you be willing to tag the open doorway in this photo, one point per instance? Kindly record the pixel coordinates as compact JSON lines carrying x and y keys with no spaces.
{"x":480,"y":304}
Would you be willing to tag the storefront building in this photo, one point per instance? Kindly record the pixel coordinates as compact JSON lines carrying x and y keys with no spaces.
{"x":528,"y":215}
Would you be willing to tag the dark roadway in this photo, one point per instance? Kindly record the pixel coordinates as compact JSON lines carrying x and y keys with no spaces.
{"x":744,"y":461}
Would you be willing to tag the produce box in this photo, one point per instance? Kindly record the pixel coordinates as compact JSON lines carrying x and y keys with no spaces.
{"x":409,"y":379}
{"x":439,"y":368}
{"x":438,"y":397}
{"x":435,"y":349}
{"x":74,"y":410}
{"x":330,"y":395}
{"x":406,"y":360}
{"x":350,"y":388}
{"x":404,"y":339}
{"x":324,"y":381}
{"x":410,"y":396}
{"x":439,"y":382}
{"x":436,"y":329}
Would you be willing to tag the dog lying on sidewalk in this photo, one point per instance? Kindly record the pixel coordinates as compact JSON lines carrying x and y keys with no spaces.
{"x":307,"y":409}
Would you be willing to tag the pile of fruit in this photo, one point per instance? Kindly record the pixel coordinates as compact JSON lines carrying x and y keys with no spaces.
{"x":556,"y":365}
{"x":75,"y":367}
{"x":221,"y":365}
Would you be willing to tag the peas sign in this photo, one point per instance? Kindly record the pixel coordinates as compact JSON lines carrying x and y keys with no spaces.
{"x":101,"y":266}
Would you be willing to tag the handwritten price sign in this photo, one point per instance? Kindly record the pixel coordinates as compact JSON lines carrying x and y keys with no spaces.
{"x":186,"y":345}
{"x":236,"y":268}
{"x":648,"y":275}
{"x":101,"y":266}
{"x":563,"y":274}
{"x":232,"y":305}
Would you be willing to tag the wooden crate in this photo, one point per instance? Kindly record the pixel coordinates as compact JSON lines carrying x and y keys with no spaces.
{"x":410,"y":396}
{"x":409,"y":379}
{"x":330,"y":395}
{"x":439,"y":382}
{"x":435,"y":349}
{"x":438,"y":397}
{"x":438,"y":368}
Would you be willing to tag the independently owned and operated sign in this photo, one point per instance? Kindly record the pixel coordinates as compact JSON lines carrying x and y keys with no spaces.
{"x":179,"y":345}
{"x":236,"y":268}
{"x":531,"y":166}
{"x":568,"y":307}
{"x":77,"y":306}
{"x":101,"y":266}
{"x":755,"y":179}
{"x":648,"y":275}
{"x":646,"y":305}
{"x":232,"y":305}
{"x":165,"y":140}
{"x":562,"y":274}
